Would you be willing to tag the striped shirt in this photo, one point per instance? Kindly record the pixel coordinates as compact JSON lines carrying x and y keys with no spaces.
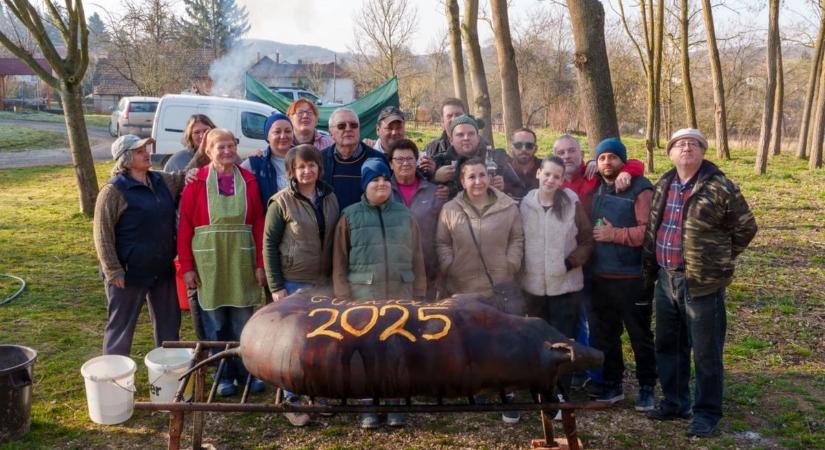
{"x":669,"y":235}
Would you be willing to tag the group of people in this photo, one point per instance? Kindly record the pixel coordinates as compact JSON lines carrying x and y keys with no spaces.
{"x":586,"y":243}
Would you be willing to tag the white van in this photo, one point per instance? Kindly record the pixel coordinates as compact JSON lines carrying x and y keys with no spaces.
{"x":245,"y":119}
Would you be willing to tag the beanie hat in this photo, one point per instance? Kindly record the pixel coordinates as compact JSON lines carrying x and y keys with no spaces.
{"x":612,"y":145}
{"x":127,"y":142}
{"x":462,"y":120}
{"x":372,"y":168}
{"x":687,"y":133}
{"x":274,"y":117}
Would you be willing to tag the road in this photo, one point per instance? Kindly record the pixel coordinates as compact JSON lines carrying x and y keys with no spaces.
{"x":98,"y":136}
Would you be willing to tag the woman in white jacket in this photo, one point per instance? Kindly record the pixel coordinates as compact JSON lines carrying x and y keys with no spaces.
{"x":558,"y":240}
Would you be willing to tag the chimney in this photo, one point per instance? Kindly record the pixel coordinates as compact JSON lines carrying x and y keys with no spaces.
{"x":277,"y":57}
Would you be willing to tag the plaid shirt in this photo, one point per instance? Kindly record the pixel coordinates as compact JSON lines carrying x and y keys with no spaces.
{"x":669,"y":235}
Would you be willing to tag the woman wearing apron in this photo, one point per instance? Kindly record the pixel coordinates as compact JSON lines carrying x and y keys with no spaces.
{"x":220,"y":239}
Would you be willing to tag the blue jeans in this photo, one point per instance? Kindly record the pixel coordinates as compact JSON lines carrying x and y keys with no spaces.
{"x":583,"y":323}
{"x":225,"y":324}
{"x":684,"y":323}
{"x":292,"y":286}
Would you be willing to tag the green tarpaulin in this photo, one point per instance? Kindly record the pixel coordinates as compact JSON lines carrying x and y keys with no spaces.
{"x":367,"y":107}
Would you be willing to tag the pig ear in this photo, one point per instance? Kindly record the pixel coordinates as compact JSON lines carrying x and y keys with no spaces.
{"x":563,"y":347}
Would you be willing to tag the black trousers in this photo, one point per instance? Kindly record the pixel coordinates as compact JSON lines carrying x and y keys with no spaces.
{"x":562,"y":313}
{"x":624,"y":303}
{"x":124,"y":308}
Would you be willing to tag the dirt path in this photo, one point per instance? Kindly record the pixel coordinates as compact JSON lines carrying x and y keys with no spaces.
{"x":98,"y":136}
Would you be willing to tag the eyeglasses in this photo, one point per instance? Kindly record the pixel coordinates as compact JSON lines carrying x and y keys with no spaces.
{"x":343,"y":125}
{"x":524,"y":145}
{"x":685,"y":144}
{"x":407,"y":160}
{"x":307,"y":112}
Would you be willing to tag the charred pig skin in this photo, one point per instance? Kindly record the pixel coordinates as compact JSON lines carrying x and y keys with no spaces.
{"x":456,"y":347}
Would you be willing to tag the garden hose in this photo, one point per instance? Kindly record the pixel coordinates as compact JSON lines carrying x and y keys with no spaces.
{"x":13,"y":296}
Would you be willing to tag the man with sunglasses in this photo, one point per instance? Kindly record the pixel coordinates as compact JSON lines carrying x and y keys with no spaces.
{"x":343,"y":160}
{"x":522,"y":159}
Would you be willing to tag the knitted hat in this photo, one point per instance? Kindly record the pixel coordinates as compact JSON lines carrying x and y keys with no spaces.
{"x":612,"y":145}
{"x":274,"y":117}
{"x":687,"y":133}
{"x":462,"y":120}
{"x":372,"y":168}
{"x":127,"y":142}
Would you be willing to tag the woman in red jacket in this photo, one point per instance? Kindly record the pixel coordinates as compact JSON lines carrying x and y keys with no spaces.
{"x":220,"y":238}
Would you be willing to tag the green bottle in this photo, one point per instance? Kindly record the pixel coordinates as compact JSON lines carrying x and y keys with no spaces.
{"x":600,"y":222}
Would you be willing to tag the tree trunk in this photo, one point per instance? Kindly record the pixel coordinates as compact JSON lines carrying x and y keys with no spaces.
{"x":778,"y":103}
{"x":84,"y":167}
{"x":593,"y":71}
{"x":815,"y":161}
{"x":650,"y":118}
{"x":456,"y":54}
{"x":810,"y":93}
{"x":658,"y":49}
{"x":478,"y":79}
{"x":761,"y":165}
{"x":720,"y":112}
{"x":687,"y":85}
{"x":508,"y":72}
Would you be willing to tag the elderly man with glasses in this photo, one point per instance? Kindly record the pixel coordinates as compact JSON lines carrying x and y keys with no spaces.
{"x":343,"y":160}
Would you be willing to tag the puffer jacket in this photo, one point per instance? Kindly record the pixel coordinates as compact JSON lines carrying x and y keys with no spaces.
{"x":717,"y":226}
{"x":500,"y":236}
{"x":295,"y":249}
{"x":554,"y":249}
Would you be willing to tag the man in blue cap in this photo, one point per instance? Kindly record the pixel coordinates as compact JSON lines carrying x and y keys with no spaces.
{"x":620,"y":298}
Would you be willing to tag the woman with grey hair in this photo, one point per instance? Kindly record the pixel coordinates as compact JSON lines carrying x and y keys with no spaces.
{"x":134,"y":235}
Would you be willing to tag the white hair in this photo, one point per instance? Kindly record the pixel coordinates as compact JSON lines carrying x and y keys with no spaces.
{"x":332,"y":116}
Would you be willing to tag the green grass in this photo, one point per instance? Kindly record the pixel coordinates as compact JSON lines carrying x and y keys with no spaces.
{"x":15,"y":138}
{"x":101,"y":120}
{"x":774,"y":357}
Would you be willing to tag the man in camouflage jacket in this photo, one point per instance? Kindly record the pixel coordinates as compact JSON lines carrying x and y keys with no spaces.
{"x":699,"y":223}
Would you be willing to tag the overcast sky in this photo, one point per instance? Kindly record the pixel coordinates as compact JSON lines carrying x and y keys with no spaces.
{"x":329,"y":23}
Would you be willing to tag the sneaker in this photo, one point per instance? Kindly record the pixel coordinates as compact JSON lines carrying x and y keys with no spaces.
{"x":511,"y":417}
{"x":644,"y":402}
{"x":665,"y":413}
{"x":323,"y":402}
{"x":369,"y":421}
{"x":396,"y":420}
{"x":557,"y":417}
{"x":226,"y":388}
{"x":256,"y":385}
{"x":700,"y":428}
{"x":611,"y":393}
{"x":297,"y":419}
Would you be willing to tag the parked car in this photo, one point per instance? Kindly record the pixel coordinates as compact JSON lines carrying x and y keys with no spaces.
{"x":245,"y":119}
{"x":133,"y":115}
{"x":295,"y":93}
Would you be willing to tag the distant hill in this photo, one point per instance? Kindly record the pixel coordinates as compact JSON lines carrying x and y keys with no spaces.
{"x":292,"y":52}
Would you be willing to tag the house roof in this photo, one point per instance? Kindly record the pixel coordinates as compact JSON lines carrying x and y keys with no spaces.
{"x":266,"y":67}
{"x":11,"y":65}
{"x":108,"y":81}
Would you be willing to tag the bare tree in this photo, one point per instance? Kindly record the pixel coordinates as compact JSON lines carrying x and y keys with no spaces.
{"x":510,"y":94}
{"x":478,"y":78}
{"x":456,"y":54}
{"x":815,"y":161}
{"x":146,"y":48}
{"x":383,"y":31}
{"x":593,"y":70}
{"x":720,"y":113}
{"x":687,"y":85}
{"x":650,"y":57}
{"x":813,"y":76}
{"x":778,"y":102}
{"x":66,"y":77}
{"x":761,"y":165}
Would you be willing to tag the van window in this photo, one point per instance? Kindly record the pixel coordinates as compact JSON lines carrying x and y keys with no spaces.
{"x":252,"y":125}
{"x":143,"y":107}
{"x":308,"y":96}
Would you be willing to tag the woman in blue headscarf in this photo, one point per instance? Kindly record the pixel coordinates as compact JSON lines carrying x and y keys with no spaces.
{"x":270,"y":168}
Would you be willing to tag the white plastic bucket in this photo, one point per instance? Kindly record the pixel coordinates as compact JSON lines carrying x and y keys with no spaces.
{"x":110,"y":388}
{"x":165,"y":366}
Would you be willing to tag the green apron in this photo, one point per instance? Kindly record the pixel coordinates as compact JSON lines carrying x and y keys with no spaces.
{"x":224,"y":250}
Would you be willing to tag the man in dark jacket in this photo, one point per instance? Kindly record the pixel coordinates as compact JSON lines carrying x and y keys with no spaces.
{"x":699,"y":223}
{"x":620,"y":299}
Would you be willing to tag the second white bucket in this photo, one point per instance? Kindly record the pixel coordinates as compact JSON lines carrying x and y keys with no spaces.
{"x":165,"y":366}
{"x":110,"y":388}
